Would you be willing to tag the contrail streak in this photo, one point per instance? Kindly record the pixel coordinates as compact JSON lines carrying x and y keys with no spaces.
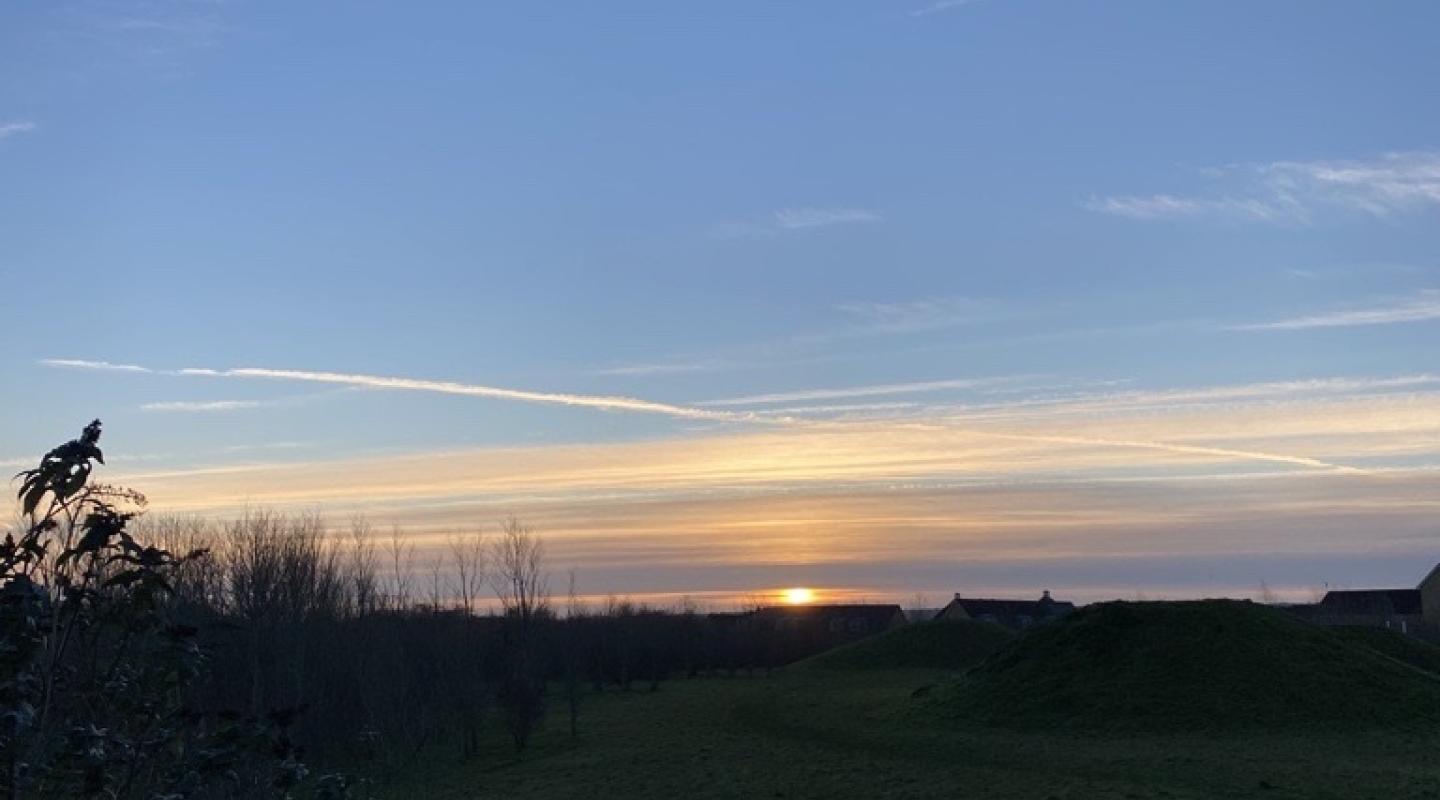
{"x":603,"y":402}
{"x":1223,"y":452}
{"x":637,"y":405}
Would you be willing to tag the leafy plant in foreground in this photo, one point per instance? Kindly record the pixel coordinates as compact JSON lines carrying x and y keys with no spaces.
{"x":96,"y":673}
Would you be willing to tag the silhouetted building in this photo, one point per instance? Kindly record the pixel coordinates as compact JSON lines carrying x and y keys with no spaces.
{"x":1380,"y":607}
{"x":1405,"y":610}
{"x":1015,"y":614}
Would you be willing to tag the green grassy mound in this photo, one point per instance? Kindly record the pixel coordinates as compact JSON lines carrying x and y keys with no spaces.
{"x":1412,"y":651}
{"x":940,"y":644}
{"x":1214,"y":664}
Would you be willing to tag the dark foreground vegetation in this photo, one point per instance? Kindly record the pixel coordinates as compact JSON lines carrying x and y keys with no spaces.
{"x":101,"y":675}
{"x":266,"y":658}
{"x":177,"y":657}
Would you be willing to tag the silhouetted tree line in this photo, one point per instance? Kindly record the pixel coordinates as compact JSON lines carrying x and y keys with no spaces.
{"x":291,"y":636}
{"x":391,"y":659}
{"x":388,"y":658}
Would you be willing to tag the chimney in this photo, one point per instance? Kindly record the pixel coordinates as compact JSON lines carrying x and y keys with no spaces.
{"x":1045,"y":597}
{"x":957,"y":595}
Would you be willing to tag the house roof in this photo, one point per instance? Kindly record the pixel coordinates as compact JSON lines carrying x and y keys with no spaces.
{"x":1372,"y":601}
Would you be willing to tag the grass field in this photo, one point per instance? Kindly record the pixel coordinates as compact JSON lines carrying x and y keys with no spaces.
{"x":946,"y":645}
{"x":861,"y":734}
{"x":1220,"y":665}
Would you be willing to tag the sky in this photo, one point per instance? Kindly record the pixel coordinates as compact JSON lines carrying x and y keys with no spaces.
{"x":883,"y":298}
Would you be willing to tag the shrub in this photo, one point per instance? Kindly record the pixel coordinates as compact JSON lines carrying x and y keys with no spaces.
{"x":98,"y":673}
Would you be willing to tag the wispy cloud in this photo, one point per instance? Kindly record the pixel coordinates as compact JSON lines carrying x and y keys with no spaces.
{"x":1423,"y":307}
{"x":201,"y":406}
{"x":1295,"y":191}
{"x":939,"y":6}
{"x":1142,"y":404}
{"x":602,"y":402}
{"x":1165,"y":206}
{"x":8,"y":129}
{"x":266,"y":446}
{"x":879,"y":390}
{"x":860,"y":320}
{"x":76,"y":363}
{"x":795,"y":218}
{"x":1394,"y":183}
{"x":149,"y":29}
{"x":1094,"y":475}
{"x":1312,"y":434}
{"x":1357,"y":270}
{"x":664,"y":367}
{"x":194,"y":31}
{"x":845,"y":408}
{"x":921,"y":315}
{"x":854,"y":320}
{"x":1184,"y":449}
{"x":1203,"y":425}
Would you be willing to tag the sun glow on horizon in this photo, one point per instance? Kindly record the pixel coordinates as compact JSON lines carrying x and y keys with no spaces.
{"x":798,"y":596}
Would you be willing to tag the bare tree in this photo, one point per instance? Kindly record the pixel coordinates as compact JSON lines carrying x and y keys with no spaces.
{"x":1267,"y":595}
{"x":753,"y":601}
{"x":574,"y":620}
{"x":519,"y":578}
{"x":364,"y":579}
{"x":402,"y":559}
{"x":439,"y":586}
{"x":467,"y":552}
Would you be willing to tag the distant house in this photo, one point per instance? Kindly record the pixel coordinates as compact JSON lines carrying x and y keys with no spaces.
{"x":1014,"y":614}
{"x":1388,"y":608}
{"x":1405,"y":610}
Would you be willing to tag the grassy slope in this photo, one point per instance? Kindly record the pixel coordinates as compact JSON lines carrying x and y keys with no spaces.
{"x":1412,"y":651}
{"x":1187,"y":666}
{"x":862,"y":734}
{"x":943,"y":644}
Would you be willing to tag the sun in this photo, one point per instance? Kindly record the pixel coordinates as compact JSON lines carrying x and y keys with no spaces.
{"x":798,"y":596}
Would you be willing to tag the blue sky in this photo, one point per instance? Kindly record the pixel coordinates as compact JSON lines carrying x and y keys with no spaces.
{"x":994,"y":218}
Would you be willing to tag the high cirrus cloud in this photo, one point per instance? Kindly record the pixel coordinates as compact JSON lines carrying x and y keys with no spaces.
{"x":11,"y":128}
{"x":793,"y":218}
{"x":1066,"y":422}
{"x":201,"y":406}
{"x":939,"y":6}
{"x":1295,"y":191}
{"x":80,"y":363}
{"x":788,"y":220}
{"x":877,"y":390}
{"x":1421,"y":308}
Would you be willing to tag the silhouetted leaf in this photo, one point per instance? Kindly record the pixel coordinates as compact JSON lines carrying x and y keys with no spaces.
{"x":32,"y":498}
